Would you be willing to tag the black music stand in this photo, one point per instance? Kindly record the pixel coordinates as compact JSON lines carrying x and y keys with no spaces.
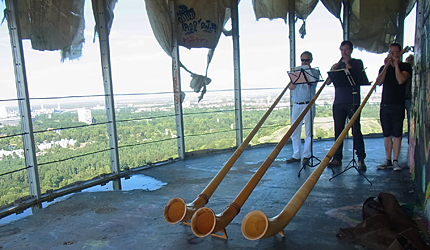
{"x":309,"y":76}
{"x":349,"y":78}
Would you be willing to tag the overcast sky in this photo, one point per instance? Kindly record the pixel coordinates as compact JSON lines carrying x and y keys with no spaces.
{"x":139,"y":64}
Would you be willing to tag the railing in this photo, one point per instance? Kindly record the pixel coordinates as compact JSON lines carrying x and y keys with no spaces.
{"x":93,"y":162}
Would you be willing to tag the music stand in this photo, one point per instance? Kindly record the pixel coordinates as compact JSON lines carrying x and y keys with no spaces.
{"x":349,"y":78}
{"x":306,"y":75}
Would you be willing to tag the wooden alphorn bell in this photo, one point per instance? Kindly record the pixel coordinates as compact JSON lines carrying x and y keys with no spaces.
{"x":176,"y":210}
{"x":204,"y":221}
{"x":256,"y":225}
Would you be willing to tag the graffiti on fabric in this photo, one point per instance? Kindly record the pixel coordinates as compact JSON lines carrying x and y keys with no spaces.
{"x":190,"y":24}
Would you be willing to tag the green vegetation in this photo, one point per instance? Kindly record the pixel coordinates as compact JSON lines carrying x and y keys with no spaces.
{"x":143,"y":136}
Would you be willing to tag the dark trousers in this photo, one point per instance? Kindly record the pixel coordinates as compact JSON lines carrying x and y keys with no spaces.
{"x":340,"y":113}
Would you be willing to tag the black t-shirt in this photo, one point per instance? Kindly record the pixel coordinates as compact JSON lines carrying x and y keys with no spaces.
{"x":392,"y":92}
{"x":408,"y":88}
{"x":345,"y":94}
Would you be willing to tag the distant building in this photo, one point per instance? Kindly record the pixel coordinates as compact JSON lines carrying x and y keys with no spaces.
{"x":18,"y":152}
{"x":99,"y":107}
{"x":186,"y":104}
{"x":3,"y":112}
{"x":62,"y":143}
{"x":84,"y":115}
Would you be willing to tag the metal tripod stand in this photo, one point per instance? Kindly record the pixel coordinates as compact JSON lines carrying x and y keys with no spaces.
{"x":310,"y":162}
{"x":352,"y":163}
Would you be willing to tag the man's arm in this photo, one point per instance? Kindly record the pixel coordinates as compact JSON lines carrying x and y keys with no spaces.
{"x":334,"y":67}
{"x":401,"y":76}
{"x":381,"y":77}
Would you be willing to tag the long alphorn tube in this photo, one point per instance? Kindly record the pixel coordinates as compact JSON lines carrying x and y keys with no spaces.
{"x":177,"y":211}
{"x":256,"y":225}
{"x":204,"y":220}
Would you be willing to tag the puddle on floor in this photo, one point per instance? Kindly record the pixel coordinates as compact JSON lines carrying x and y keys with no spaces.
{"x":138,"y":181}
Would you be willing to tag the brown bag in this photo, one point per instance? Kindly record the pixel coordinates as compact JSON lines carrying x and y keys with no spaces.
{"x":385,"y":226}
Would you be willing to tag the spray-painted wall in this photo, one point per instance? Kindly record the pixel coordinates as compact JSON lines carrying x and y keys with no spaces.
{"x":419,"y":148}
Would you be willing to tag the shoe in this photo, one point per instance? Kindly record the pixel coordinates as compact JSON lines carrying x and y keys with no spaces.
{"x":305,"y":160}
{"x":361,"y":165}
{"x":292,"y":159}
{"x":385,"y":165}
{"x":335,"y":163}
{"x":396,"y":166}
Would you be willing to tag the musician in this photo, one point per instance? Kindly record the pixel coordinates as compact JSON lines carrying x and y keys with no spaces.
{"x":346,"y":102}
{"x":302,"y":95}
{"x":393,"y":75}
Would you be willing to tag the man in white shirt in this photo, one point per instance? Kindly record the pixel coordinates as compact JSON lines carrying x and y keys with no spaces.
{"x":302,"y":95}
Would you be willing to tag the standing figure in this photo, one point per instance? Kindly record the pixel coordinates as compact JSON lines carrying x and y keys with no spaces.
{"x":302,"y":95}
{"x":393,"y":75}
{"x":408,"y":94}
{"x":346,"y":102}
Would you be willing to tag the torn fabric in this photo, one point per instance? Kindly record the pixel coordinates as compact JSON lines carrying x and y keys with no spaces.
{"x":270,"y":9}
{"x":305,"y":7}
{"x":110,"y":6}
{"x":374,"y":25}
{"x":273,"y":9}
{"x":53,"y":25}
{"x":333,"y":6}
{"x":199,"y":25}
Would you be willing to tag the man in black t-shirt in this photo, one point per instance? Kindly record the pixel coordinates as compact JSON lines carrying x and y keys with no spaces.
{"x":346,"y":101}
{"x":393,"y":75}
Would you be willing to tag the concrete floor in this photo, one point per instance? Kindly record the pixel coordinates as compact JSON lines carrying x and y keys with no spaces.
{"x":134,"y":219}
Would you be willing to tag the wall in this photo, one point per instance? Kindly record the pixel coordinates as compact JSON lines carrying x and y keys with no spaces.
{"x":419,"y":150}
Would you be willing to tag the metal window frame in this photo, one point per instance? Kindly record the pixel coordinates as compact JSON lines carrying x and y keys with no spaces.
{"x":99,"y":6}
{"x":176,"y":77}
{"x":23,"y":102}
{"x":237,"y":76}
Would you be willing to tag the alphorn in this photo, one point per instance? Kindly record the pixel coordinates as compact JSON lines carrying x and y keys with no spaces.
{"x":177,"y":211}
{"x":256,"y":225}
{"x":204,"y":221}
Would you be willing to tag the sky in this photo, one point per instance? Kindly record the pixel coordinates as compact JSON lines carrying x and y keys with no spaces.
{"x":139,"y":65}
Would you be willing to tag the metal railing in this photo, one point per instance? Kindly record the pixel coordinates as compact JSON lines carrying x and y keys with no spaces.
{"x":226,"y":109}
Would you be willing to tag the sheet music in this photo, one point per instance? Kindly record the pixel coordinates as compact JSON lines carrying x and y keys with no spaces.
{"x":352,"y":76}
{"x":304,"y":74}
